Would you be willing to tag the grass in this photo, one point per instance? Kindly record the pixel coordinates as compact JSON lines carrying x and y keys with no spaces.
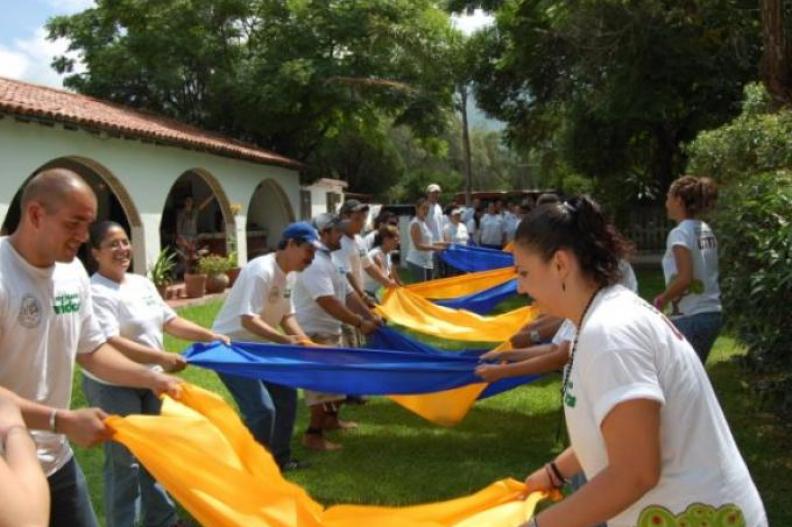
{"x":395,"y":458}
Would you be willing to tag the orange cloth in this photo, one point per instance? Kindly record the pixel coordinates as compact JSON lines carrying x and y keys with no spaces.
{"x":462,"y":285}
{"x":206,"y":458}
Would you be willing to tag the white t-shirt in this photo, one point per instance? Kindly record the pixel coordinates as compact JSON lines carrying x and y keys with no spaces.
{"x":46,"y":319}
{"x":435,"y":220}
{"x":471,"y":227}
{"x":369,"y":239}
{"x":704,"y":293}
{"x":457,"y":233}
{"x":353,"y":257}
{"x":322,"y":278}
{"x":372,"y":286}
{"x":627,"y":350}
{"x":491,"y":228}
{"x":415,"y":255}
{"x":132,"y":309}
{"x":467,"y":214}
{"x":565,"y":332}
{"x":628,"y":278}
{"x":263,"y":289}
{"x":510,"y":224}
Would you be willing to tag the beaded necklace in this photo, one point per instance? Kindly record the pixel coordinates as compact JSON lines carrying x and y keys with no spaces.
{"x":568,"y":371}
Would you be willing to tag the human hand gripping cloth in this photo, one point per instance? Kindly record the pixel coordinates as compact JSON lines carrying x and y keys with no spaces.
{"x":202,"y":453}
{"x":470,"y":258}
{"x":402,"y":306}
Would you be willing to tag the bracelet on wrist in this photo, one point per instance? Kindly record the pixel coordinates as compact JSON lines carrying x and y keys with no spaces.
{"x":53,"y":421}
{"x":550,"y":476}
{"x":559,"y":476}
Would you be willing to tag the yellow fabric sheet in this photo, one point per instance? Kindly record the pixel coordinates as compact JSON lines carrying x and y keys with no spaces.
{"x":462,"y":285}
{"x":209,"y":462}
{"x":446,"y":408}
{"x":402,"y":306}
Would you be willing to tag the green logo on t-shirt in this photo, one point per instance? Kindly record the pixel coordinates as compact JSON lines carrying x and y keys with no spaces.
{"x":66,"y":303}
{"x":696,"y":515}
{"x":569,"y":399}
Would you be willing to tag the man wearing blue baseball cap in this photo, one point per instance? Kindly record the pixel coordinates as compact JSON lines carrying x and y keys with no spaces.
{"x":258,"y":303}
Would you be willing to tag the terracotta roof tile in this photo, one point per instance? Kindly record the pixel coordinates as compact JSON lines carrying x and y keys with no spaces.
{"x":23,"y":99}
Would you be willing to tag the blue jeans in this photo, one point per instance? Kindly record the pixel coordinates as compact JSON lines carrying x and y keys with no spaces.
{"x":269,"y":411}
{"x":127,"y":484}
{"x":70,"y":504}
{"x":419,"y":274}
{"x":700,"y":330}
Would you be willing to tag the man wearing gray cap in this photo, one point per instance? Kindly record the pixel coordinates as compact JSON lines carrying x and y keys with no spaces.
{"x":323,"y":301}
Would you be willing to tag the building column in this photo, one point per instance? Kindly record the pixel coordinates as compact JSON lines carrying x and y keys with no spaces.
{"x":240,"y":229}
{"x":146,"y":240}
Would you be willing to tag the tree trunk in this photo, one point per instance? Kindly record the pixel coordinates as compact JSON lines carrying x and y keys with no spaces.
{"x":463,"y":96}
{"x":776,"y":70}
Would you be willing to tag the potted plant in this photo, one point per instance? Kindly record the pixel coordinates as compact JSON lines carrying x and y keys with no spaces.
{"x":161,"y":272}
{"x":194,"y":279}
{"x":233,"y":260}
{"x":215,"y":267}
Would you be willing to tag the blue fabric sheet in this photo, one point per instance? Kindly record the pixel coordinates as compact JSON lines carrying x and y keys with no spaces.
{"x":471,"y":259}
{"x":482,"y":302}
{"x":413,"y":368}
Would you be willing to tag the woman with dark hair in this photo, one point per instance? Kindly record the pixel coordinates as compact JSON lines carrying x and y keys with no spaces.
{"x":385,"y":242}
{"x":690,"y":264}
{"x":133,"y":317}
{"x":643,"y":420}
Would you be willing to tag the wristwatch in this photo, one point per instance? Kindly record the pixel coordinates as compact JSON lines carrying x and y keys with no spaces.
{"x":536,"y":337}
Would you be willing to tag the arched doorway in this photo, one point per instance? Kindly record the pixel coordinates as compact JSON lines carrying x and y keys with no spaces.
{"x":213,"y":219}
{"x":113,"y":201}
{"x":269,"y":212}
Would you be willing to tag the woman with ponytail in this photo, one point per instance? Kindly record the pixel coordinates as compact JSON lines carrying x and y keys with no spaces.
{"x":690,"y":264}
{"x":644,"y":423}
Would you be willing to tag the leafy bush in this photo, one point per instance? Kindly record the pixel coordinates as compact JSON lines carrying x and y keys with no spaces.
{"x":161,"y":272}
{"x":213,"y":264}
{"x":751,"y":157}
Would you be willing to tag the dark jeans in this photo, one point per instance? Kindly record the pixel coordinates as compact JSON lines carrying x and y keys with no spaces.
{"x":269,"y":411}
{"x":70,"y":503}
{"x":127,"y":483}
{"x":700,"y":330}
{"x":419,"y":274}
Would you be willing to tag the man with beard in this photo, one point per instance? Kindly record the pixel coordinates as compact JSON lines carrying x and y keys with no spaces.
{"x":259,"y":302}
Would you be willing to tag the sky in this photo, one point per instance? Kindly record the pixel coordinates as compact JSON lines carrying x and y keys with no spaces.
{"x":26,"y":54}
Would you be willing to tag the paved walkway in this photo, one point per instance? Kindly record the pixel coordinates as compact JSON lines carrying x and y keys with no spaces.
{"x":179,"y":299}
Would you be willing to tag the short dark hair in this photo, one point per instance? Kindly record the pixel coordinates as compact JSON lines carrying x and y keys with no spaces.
{"x":98,"y":232}
{"x":386,"y":231}
{"x":580,"y":226}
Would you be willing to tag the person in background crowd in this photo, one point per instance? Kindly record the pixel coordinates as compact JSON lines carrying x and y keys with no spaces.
{"x":259,"y":303}
{"x":456,"y":231}
{"x":187,"y":220}
{"x":511,"y":220}
{"x":353,"y":256}
{"x":643,"y":420}
{"x":469,"y":212}
{"x":133,"y":317}
{"x":435,"y":220}
{"x":385,"y":217}
{"x":690,"y":264}
{"x":492,"y":233}
{"x":323,"y":301}
{"x":473,"y":226}
{"x":386,"y":241}
{"x":23,"y":485}
{"x":420,"y":259}
{"x":47,"y":324}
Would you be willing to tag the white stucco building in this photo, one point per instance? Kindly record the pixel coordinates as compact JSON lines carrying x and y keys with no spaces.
{"x":142,"y":167}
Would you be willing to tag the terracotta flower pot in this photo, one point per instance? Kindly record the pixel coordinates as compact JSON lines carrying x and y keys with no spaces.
{"x":233,"y":274}
{"x":194,"y":285}
{"x":216,"y":283}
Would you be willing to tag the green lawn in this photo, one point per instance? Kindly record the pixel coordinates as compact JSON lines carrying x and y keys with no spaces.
{"x":396,"y":458}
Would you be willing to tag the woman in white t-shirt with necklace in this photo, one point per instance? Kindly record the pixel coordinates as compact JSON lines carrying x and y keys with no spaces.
{"x":644,"y":423}
{"x":690,"y":264}
{"x":385,"y":242}
{"x":133,"y":317}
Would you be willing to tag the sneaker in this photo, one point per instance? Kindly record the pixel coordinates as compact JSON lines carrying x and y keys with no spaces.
{"x":294,"y":464}
{"x":319,"y":443}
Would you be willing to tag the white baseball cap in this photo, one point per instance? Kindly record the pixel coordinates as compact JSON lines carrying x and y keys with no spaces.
{"x":433,"y":187}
